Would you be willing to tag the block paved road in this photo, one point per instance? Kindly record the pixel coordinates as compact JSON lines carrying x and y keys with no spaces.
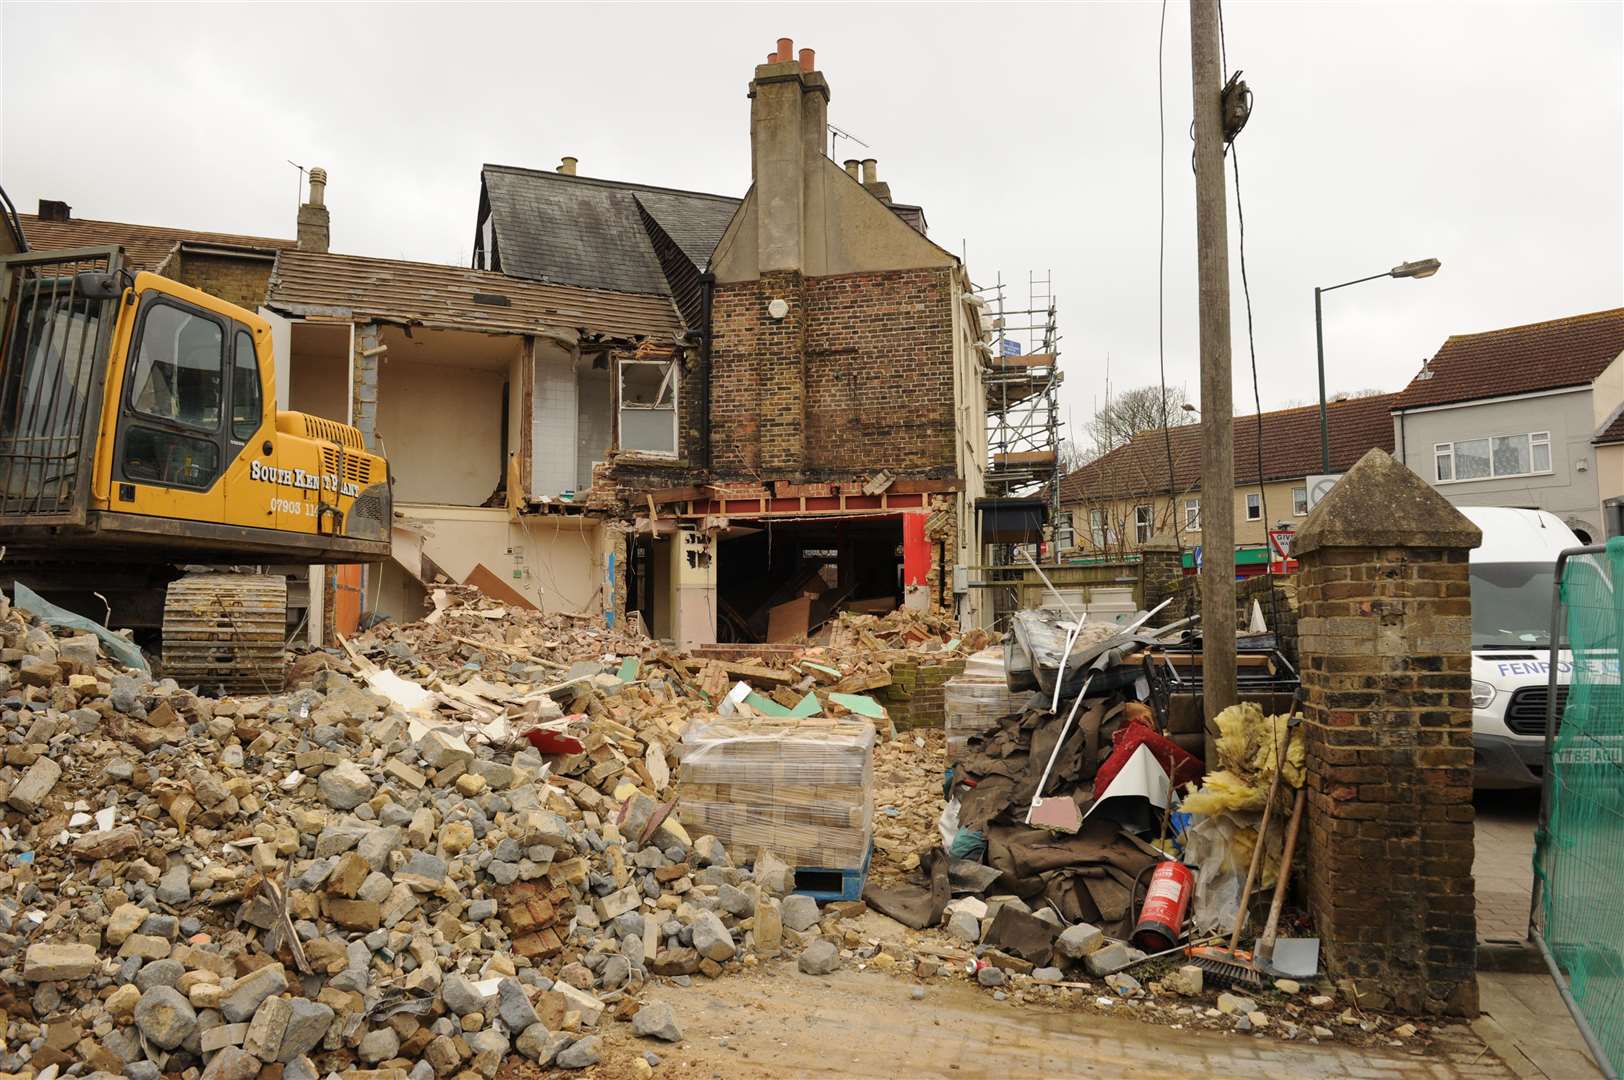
{"x":779,"y":1023}
{"x":1503,"y":862}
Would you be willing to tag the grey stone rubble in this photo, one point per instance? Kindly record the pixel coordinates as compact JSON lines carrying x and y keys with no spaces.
{"x":452,"y":901}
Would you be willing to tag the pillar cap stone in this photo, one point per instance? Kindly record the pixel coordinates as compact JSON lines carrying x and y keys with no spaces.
{"x":1162,"y":541}
{"x":1381,"y":503}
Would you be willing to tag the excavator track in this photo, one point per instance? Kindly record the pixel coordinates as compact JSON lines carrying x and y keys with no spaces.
{"x":226,"y":631}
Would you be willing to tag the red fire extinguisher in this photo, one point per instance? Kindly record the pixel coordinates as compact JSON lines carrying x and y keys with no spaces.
{"x":1166,"y":901}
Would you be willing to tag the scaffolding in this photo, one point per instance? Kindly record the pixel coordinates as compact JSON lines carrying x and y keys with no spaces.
{"x":1023,"y":385}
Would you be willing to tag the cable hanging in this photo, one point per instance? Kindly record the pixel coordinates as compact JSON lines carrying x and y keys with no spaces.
{"x":1242,"y":107}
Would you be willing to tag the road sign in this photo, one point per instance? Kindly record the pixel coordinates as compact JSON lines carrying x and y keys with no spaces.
{"x":1319,"y":486}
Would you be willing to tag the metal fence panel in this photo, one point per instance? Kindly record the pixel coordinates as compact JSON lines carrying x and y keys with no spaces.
{"x":1578,"y":917}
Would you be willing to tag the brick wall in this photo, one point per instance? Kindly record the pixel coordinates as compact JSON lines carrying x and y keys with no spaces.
{"x":917,"y":696}
{"x":856,"y":378}
{"x":241,"y":281}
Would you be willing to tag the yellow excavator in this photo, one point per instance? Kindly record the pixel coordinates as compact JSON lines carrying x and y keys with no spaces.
{"x":144,"y":466}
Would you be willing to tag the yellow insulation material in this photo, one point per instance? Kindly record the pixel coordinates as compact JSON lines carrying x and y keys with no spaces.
{"x":1247,"y":745}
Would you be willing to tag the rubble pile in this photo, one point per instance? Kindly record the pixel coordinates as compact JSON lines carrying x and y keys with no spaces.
{"x":327,"y":879}
{"x":471,"y":838}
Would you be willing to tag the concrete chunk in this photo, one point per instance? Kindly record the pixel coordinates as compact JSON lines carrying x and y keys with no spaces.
{"x":47,"y":962}
{"x":35,"y":785}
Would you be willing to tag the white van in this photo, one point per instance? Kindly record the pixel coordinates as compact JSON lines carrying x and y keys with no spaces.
{"x":1512,"y":576}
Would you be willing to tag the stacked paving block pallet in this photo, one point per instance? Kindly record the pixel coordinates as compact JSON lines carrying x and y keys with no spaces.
{"x":976,"y":700}
{"x":915,"y":698}
{"x":798,"y":787}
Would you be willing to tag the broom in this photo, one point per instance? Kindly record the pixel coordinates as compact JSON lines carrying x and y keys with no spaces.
{"x":1231,"y":965}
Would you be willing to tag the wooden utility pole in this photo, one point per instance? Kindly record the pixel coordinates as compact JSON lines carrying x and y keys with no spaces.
{"x":1217,"y":427}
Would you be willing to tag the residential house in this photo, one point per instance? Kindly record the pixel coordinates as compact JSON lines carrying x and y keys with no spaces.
{"x":1122,"y":499}
{"x":1607,"y":411}
{"x":228,"y":265}
{"x":442,"y":369}
{"x":819,"y":438}
{"x":1512,"y":417}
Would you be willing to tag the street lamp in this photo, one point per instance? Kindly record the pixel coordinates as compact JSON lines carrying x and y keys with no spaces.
{"x":1421,"y":268}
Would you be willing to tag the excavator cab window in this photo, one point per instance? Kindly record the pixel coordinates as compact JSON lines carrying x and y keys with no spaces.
{"x":176,"y":399}
{"x":246,"y":410}
{"x":179,"y":374}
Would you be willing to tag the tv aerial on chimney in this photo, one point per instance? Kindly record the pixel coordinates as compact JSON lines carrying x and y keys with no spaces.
{"x":838,"y":133}
{"x":298,"y":193}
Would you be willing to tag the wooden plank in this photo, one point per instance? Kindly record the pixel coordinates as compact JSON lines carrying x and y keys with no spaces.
{"x":789,"y":621}
{"x":481,"y":578}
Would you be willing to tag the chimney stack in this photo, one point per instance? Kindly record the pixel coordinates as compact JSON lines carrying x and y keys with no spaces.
{"x":313,"y":222}
{"x":566,"y":165}
{"x":876,"y":187}
{"x":54,"y":210}
{"x":789,"y":123}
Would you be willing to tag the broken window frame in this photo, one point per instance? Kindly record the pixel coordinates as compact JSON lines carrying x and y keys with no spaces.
{"x":668,"y":391}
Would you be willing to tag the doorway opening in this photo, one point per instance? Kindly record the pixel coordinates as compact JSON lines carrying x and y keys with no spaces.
{"x":782,"y":581}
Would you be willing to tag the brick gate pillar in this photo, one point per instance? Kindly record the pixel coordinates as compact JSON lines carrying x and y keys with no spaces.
{"x":1385,"y":627}
{"x":1161,"y":574}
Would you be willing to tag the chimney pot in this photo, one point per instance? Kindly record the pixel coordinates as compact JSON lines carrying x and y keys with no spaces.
{"x":54,"y":210}
{"x":772,"y":57}
{"x":808,"y":61}
{"x":566,"y":165}
{"x":851,"y":167}
{"x":869,"y":167}
{"x":314,"y":222}
{"x":786,"y":50}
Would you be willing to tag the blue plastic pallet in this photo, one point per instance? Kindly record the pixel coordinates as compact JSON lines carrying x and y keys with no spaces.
{"x":827,"y":885}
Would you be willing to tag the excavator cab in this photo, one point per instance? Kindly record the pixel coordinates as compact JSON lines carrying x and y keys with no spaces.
{"x":139,"y":432}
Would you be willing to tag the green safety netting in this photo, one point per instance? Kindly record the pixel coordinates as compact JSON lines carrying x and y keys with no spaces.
{"x":1579,"y":855}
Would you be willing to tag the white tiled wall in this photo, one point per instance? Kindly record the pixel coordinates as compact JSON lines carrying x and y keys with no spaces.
{"x":553,"y":422}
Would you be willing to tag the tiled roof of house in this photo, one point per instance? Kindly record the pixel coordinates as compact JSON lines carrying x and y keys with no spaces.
{"x":1291,"y":448}
{"x":307,"y":282}
{"x":1518,"y":360}
{"x":579,"y":230}
{"x":145,"y":246}
{"x":1613,"y":430}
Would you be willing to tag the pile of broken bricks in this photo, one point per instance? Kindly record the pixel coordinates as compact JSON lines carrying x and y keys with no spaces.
{"x":320,"y":881}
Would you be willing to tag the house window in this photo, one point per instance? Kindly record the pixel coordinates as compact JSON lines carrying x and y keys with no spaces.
{"x":1097,"y":531}
{"x":1493,"y":457}
{"x":1299,"y":501}
{"x":648,"y":406}
{"x":1192,"y":514}
{"x":1141,"y":523}
{"x":1254,"y":506}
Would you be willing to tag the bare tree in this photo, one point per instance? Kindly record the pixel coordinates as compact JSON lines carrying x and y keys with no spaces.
{"x":1143,"y":408}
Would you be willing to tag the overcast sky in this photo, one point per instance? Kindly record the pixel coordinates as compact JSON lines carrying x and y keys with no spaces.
{"x":1488,"y":136}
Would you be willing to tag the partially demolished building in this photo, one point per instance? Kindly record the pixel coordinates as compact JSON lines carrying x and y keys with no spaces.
{"x":814,"y":437}
{"x":728,"y":417}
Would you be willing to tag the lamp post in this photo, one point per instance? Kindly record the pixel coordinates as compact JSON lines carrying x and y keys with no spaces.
{"x":1421,"y":268}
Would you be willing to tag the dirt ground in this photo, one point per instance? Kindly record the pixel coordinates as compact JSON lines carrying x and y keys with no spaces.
{"x":776,"y":1023}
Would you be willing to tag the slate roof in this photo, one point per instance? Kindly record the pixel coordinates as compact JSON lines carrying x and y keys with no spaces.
{"x":427,"y":294}
{"x":1291,"y":449}
{"x":145,"y":246}
{"x":579,"y":230}
{"x":1518,"y":360}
